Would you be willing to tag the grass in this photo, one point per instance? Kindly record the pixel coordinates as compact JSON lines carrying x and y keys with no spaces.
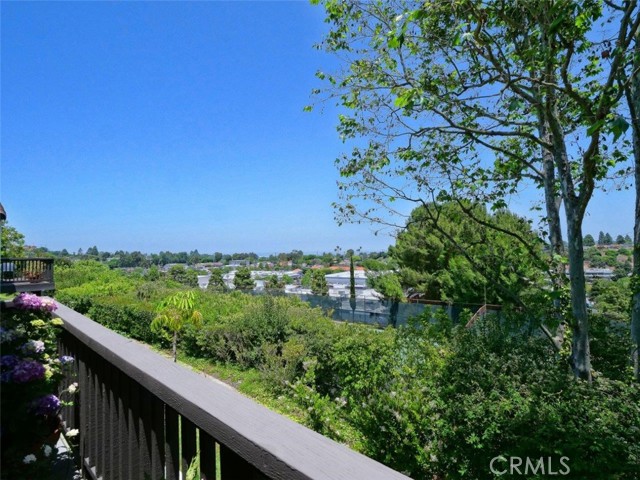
{"x":252,"y":384}
{"x":249,"y":382}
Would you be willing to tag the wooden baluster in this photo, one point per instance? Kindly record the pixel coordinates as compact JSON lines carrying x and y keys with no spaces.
{"x":207,"y":456}
{"x":172,"y":443}
{"x":189,"y":451}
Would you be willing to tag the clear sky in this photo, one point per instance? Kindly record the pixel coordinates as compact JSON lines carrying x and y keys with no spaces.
{"x":178,"y":126}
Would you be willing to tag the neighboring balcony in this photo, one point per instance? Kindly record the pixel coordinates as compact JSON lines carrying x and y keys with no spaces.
{"x":26,"y":275}
{"x":141,"y":416}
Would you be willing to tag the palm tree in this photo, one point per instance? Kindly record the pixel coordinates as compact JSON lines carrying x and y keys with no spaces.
{"x":174,"y":312}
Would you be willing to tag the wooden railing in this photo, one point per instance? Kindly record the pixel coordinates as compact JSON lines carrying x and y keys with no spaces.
{"x":141,"y":416}
{"x":26,"y":274}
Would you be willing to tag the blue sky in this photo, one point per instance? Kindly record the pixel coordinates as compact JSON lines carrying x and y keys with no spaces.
{"x":178,"y":126}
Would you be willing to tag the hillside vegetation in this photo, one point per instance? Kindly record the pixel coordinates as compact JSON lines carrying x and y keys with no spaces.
{"x":432,"y":399}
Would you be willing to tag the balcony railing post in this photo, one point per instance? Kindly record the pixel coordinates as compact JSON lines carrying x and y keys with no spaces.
{"x":125,"y":447}
{"x":207,"y":456}
{"x":152,"y":427}
{"x":113,"y":425}
{"x":189,"y":449}
{"x":172,"y":443}
{"x":83,"y":381}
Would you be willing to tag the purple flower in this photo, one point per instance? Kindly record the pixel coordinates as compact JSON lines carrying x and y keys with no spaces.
{"x":27,"y":301}
{"x":49,"y":305}
{"x":47,"y":405}
{"x":32,"y":346}
{"x":26,"y":371}
{"x":66,"y":360}
{"x":9,"y":361}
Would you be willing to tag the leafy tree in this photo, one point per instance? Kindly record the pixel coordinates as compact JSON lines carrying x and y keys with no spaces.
{"x":627,"y":240}
{"x":274,"y":283}
{"x":607,"y":239}
{"x":588,"y":241}
{"x":243,"y":280}
{"x":375,"y":265}
{"x":478,"y":99}
{"x":12,"y":241}
{"x":93,"y":251}
{"x":448,"y":256}
{"x":194,"y":257}
{"x":622,"y":270}
{"x":620,"y":240}
{"x":174,"y":313}
{"x":153,"y":274}
{"x":612,"y":298}
{"x":216,"y":281}
{"x":305,"y":281}
{"x":388,"y":284}
{"x":183,"y":275}
{"x":319,"y":283}
{"x":601,"y":238}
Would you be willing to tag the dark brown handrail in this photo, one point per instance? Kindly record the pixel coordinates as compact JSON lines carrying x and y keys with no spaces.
{"x":135,"y":408}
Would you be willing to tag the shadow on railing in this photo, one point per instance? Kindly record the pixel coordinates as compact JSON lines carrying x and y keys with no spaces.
{"x":141,"y":416}
{"x":26,"y":275}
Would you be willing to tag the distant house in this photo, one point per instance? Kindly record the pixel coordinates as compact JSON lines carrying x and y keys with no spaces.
{"x":238,"y":263}
{"x":206,"y":265}
{"x":593,"y":273}
{"x":168,"y":266}
{"x":344,"y":278}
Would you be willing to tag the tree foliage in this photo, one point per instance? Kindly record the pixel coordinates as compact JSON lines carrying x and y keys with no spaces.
{"x":243,"y":280}
{"x":216,"y":281}
{"x":479,"y":100}
{"x":388,"y":284}
{"x":12,"y":241}
{"x":183,"y":275}
{"x":319,"y":283}
{"x":588,"y":241}
{"x":174,"y":313}
{"x":448,"y":256}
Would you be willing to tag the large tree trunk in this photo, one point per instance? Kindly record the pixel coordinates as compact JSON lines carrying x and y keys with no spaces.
{"x":580,"y":352}
{"x":634,"y":107}
{"x":552,"y":201}
{"x":574,"y":207}
{"x":635,"y":277}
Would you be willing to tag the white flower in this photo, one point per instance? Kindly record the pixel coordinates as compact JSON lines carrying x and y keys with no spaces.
{"x":72,"y":388}
{"x":72,"y":433}
{"x":47,"y":450}
{"x":29,"y":458}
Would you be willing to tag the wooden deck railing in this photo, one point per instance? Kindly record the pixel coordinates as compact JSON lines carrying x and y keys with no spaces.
{"x":142,"y":416}
{"x":26,"y":274}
